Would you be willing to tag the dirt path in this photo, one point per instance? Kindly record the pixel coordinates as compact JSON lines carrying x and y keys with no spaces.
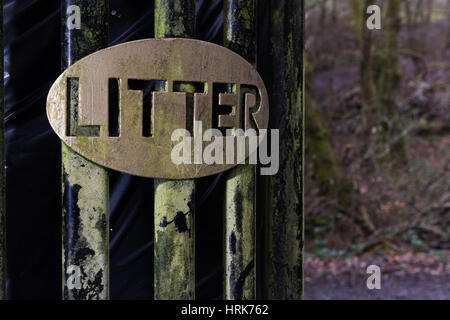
{"x":407,"y":287}
{"x":405,"y":275}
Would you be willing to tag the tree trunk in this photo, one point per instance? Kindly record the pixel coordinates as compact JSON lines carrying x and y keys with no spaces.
{"x":323,"y":14}
{"x":334,"y":12}
{"x":429,"y":11}
{"x":448,"y":25}
{"x":327,"y":171}
{"x":379,"y":77}
{"x":387,"y":85}
{"x":370,"y":109}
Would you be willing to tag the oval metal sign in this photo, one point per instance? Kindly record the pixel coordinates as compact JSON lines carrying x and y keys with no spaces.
{"x":159,"y":107}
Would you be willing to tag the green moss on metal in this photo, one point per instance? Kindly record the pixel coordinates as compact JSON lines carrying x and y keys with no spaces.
{"x":240,"y":234}
{"x":174,"y":240}
{"x":174,"y":18}
{"x":240,"y":207}
{"x":85,"y":226}
{"x":73,"y":129}
{"x":284,"y":219}
{"x":240,"y":33}
{"x":85,"y":184}
{"x":174,"y":200}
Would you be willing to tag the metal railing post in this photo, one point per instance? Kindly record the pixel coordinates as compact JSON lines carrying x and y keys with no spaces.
{"x":240,"y":195}
{"x":2,"y":169}
{"x":85,"y":184}
{"x":174,"y":268}
{"x":283,"y":249}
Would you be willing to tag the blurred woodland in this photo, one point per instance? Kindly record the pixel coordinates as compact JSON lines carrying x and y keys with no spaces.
{"x":378,"y":129}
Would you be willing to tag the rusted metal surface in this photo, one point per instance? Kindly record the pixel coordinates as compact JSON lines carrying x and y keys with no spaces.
{"x":2,"y":170}
{"x":170,"y":60}
{"x":240,"y":195}
{"x":284,"y":198}
{"x":85,"y":184}
{"x":174,"y":276}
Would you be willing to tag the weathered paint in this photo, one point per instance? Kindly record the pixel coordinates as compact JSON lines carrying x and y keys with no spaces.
{"x":174,"y":261}
{"x":2,"y":170}
{"x":240,"y":198}
{"x":239,"y":238}
{"x":85,"y":184}
{"x":85,"y":233}
{"x":93,"y":34}
{"x":201,"y":62}
{"x":174,"y":19}
{"x":240,"y":28}
{"x":174,"y":240}
{"x":284,"y":215}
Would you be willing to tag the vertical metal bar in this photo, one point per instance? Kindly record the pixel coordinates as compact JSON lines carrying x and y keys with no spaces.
{"x":2,"y":170}
{"x":284,"y":220}
{"x":174,"y":200}
{"x":240,"y":196}
{"x":85,"y":184}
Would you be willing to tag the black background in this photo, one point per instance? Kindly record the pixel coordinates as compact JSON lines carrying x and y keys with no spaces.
{"x":32,"y":63}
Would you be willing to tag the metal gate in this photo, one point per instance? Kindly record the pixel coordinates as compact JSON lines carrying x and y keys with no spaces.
{"x":85,"y":213}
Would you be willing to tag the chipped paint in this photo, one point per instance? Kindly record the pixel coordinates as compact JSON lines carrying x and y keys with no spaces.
{"x":240,"y":195}
{"x":239,"y":234}
{"x":174,"y":200}
{"x":240,"y":28}
{"x":174,"y":19}
{"x":85,"y":184}
{"x":85,"y":225}
{"x":174,"y":240}
{"x":283,"y":275}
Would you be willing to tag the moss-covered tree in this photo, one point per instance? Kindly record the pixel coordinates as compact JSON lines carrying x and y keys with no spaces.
{"x":387,"y":84}
{"x":448,"y":25}
{"x":379,"y":78}
{"x":326,"y":170}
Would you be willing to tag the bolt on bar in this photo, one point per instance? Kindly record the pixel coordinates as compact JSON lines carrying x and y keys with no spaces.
{"x":2,"y":170}
{"x":85,"y":184}
{"x":174,"y":263}
{"x":283,"y":248}
{"x":240,"y":195}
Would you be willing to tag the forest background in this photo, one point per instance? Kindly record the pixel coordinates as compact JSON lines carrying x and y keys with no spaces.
{"x":377,"y":149}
